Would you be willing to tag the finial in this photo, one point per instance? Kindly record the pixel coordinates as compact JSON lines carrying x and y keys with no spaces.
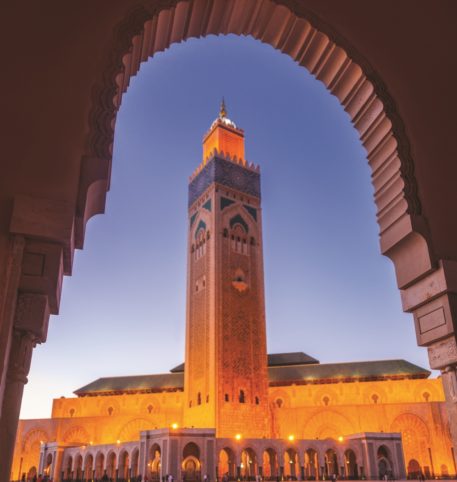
{"x":222,"y":111}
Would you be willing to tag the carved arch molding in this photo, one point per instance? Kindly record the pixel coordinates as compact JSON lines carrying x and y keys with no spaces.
{"x":152,"y":26}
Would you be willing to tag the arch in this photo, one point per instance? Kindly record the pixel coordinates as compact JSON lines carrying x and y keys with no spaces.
{"x":111,"y":460}
{"x":131,"y":430}
{"x":270,"y":463}
{"x":123,"y":465}
{"x":67,"y":467}
{"x":48,"y":464}
{"x":351,"y":468}
{"x":384,"y":462}
{"x":77,"y":435}
{"x":413,"y":469}
{"x":191,"y":465}
{"x":311,"y":464}
{"x":78,"y":467}
{"x":296,"y":32}
{"x":249,"y":463}
{"x":226,"y":464}
{"x":291,"y":464}
{"x":99,"y":465}
{"x":135,"y":462}
{"x":88,"y":466}
{"x":31,"y":448}
{"x":327,"y":424}
{"x":331,"y":466}
{"x":154,"y":462}
{"x":415,"y":437}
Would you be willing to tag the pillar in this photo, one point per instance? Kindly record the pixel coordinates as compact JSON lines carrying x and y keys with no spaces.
{"x":41,"y":252}
{"x":433,"y":302}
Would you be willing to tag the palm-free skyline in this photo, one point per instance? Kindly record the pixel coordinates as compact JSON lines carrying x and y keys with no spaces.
{"x":329,"y":292}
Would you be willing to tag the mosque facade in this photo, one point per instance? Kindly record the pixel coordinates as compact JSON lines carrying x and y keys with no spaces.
{"x":232,"y":410}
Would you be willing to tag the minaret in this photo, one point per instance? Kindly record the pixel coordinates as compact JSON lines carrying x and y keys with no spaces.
{"x":226,"y":381}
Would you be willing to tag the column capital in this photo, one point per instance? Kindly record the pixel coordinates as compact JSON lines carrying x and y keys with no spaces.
{"x":22,"y":347}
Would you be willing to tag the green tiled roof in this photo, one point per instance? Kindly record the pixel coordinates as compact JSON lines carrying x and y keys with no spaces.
{"x":136,"y":383}
{"x":381,"y":369}
{"x":274,"y":359}
{"x":278,"y":375}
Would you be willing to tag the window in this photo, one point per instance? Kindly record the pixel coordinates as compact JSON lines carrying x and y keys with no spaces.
{"x":426,"y":396}
{"x":149,"y":407}
{"x":326,"y":401}
{"x":110,"y":411}
{"x":241,"y":397}
{"x":375,"y":398}
{"x":226,"y":397}
{"x":279,"y":402}
{"x":257,"y":401}
{"x":199,"y":398}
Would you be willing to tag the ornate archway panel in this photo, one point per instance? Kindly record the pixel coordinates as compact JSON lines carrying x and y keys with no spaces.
{"x":312,"y":45}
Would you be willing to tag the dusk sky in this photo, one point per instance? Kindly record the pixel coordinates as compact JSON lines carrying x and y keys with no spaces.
{"x":329,"y":291}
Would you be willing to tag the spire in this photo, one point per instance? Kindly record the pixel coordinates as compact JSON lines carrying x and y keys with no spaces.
{"x":223,"y":110}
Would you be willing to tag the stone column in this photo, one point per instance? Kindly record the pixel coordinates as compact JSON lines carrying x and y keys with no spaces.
{"x":30,"y":328}
{"x":433,"y":301}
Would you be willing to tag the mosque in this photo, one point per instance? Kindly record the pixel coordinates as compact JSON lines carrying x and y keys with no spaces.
{"x":231,"y":409}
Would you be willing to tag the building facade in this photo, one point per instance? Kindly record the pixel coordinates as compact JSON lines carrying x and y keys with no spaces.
{"x":230,"y":408}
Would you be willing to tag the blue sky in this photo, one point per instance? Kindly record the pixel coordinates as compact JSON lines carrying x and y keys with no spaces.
{"x":329,"y":292}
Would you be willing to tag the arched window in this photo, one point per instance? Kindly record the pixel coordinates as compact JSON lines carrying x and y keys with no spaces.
{"x":207,"y":398}
{"x":257,"y":400}
{"x":375,"y":398}
{"x":110,"y":411}
{"x":279,"y":402}
{"x":72,"y":412}
{"x":150,"y":407}
{"x":326,"y":400}
{"x":426,"y":396}
{"x":226,"y":397}
{"x":241,"y":397}
{"x":199,"y":398}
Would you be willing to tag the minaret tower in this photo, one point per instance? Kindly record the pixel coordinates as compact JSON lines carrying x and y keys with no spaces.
{"x":226,"y":380}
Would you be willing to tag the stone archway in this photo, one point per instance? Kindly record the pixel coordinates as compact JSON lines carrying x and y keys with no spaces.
{"x":288,"y":26}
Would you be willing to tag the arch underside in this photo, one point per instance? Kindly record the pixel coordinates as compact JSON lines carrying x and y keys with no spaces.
{"x":309,"y":42}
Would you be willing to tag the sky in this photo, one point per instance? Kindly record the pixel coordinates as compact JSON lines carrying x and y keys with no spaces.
{"x":329,"y":292}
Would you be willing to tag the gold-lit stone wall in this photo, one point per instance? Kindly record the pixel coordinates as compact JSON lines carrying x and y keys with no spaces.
{"x":413,"y":407}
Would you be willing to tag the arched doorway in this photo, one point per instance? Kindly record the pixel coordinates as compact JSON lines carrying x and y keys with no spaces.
{"x":32,"y":473}
{"x":78,"y":469}
{"x":135,"y":460}
{"x":88,"y":467}
{"x":270,"y":464}
{"x":249,"y":466}
{"x":350,"y":465}
{"x":331,"y":463}
{"x":111,"y":465}
{"x":291,"y":464}
{"x":384,"y":462}
{"x":99,"y":464}
{"x":154,"y":462}
{"x":123,"y":466}
{"x":414,"y":469}
{"x":191,"y":466}
{"x":311,"y":465}
{"x":226,"y":464}
{"x":67,"y":468}
{"x":48,"y":465}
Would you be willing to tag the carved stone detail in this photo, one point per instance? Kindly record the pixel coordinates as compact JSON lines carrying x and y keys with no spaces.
{"x":443,"y":353}
{"x":295,"y":30}
{"x":22,"y":347}
{"x":32,"y":315}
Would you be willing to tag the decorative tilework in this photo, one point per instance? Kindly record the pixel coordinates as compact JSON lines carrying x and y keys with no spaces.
{"x":252,"y":211}
{"x":192,"y":218}
{"x":225,"y":202}
{"x":239,"y":220}
{"x":207,"y":205}
{"x":201,"y":225}
{"x":226,"y":173}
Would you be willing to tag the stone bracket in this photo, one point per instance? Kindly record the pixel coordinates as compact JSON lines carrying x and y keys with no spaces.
{"x":32,"y":315}
{"x":45,"y":220}
{"x":443,"y":353}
